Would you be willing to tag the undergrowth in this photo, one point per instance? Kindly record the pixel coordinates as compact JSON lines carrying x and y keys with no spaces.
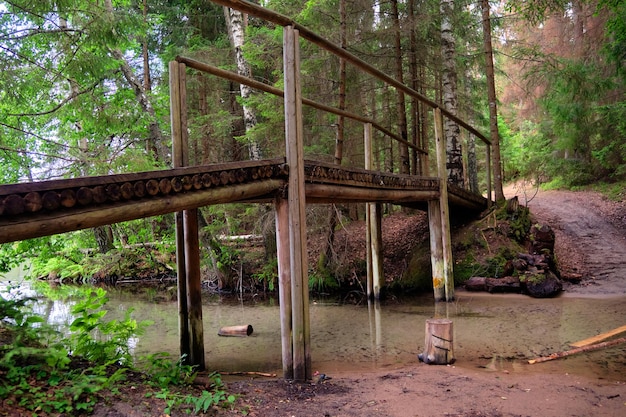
{"x":45,"y":371}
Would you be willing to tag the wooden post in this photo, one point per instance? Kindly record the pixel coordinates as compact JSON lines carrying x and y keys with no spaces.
{"x":187,"y":242}
{"x":438,"y":342}
{"x":177,"y":161}
{"x":284,"y":284}
{"x":436,"y":250}
{"x":297,"y":202}
{"x":448,"y":274}
{"x":194,"y":287}
{"x":377,"y":248}
{"x":373,"y":220}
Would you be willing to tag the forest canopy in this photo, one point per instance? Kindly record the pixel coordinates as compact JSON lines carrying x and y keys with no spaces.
{"x":84,"y":90}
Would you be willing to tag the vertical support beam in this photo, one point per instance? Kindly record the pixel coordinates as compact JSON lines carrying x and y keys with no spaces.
{"x":448,"y":274}
{"x":294,"y":135}
{"x":194,"y":287}
{"x":367,"y":146}
{"x":284,"y":284}
{"x":373,"y":220}
{"x":377,"y":248}
{"x":177,"y":161}
{"x":187,"y":242}
{"x":436,"y":250}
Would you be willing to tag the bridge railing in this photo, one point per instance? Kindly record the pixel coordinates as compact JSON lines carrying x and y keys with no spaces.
{"x":284,"y":21}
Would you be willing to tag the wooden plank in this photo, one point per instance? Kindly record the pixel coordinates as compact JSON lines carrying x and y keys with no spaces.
{"x":339,"y":193}
{"x":600,"y":337}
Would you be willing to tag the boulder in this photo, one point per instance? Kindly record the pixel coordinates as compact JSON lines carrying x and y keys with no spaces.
{"x":541,"y":239}
{"x":541,"y":285}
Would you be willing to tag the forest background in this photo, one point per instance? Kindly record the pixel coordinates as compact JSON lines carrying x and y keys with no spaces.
{"x":84,"y":91}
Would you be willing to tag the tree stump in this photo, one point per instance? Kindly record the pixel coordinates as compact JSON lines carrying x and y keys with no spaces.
{"x":438,"y":346}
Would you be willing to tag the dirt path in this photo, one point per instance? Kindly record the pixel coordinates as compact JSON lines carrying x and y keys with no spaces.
{"x":591,"y":236}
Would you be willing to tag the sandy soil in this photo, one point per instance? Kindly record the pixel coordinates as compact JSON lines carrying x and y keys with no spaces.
{"x":591,"y":241}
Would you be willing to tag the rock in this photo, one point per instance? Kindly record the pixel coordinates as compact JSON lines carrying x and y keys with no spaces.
{"x":503,"y":285}
{"x":541,"y":285}
{"x":476,"y":284}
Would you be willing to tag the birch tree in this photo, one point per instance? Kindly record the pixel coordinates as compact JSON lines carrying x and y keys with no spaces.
{"x":236,"y":23}
{"x":449,"y":93}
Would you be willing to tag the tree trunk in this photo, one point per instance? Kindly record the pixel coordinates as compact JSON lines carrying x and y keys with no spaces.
{"x":450,"y":100}
{"x":493,"y":110}
{"x":236,"y":23}
{"x":104,"y":238}
{"x":402,"y":124}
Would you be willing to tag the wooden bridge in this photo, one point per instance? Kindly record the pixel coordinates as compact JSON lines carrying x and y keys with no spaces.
{"x":36,"y":209}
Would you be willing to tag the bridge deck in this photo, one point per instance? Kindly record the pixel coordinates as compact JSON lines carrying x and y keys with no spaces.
{"x":37,"y":209}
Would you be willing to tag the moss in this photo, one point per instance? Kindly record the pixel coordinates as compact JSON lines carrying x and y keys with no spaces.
{"x":532,"y":278}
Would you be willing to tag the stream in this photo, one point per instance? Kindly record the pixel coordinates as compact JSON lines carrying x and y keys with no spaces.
{"x":495,"y":332}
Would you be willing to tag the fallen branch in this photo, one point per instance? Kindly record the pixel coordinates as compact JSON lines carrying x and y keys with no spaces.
{"x":588,"y":348}
{"x":599,"y":337}
{"x":249,"y":373}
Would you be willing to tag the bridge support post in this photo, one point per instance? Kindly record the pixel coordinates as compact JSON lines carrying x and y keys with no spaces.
{"x":294,"y":137}
{"x":284,"y":284}
{"x":444,"y":216}
{"x":373,"y":225}
{"x":187,"y":243}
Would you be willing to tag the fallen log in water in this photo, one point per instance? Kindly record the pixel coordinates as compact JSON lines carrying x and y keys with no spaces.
{"x":238,"y":331}
{"x":588,"y":348}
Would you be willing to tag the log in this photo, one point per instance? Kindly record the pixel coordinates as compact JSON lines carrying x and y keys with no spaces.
{"x":84,"y":196}
{"x":51,"y":200}
{"x":68,"y":198}
{"x":177,"y":184}
{"x":32,"y":202}
{"x":587,"y":348}
{"x":438,"y":343}
{"x":113,"y":192}
{"x":196,"y":182}
{"x":99,"y":194}
{"x":139,"y":188}
{"x":152,"y":187}
{"x":237,"y":331}
{"x":127,"y":191}
{"x":165,"y":186}
{"x":186,"y":182}
{"x":14,"y":204}
{"x":599,"y":337}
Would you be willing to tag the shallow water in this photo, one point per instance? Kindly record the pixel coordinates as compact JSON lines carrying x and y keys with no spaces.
{"x":496,"y":332}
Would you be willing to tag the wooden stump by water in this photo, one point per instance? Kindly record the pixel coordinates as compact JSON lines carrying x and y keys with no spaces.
{"x":438,"y":346}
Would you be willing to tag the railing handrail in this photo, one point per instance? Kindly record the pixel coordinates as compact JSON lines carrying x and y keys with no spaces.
{"x":229,"y":75}
{"x":282,"y":20}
